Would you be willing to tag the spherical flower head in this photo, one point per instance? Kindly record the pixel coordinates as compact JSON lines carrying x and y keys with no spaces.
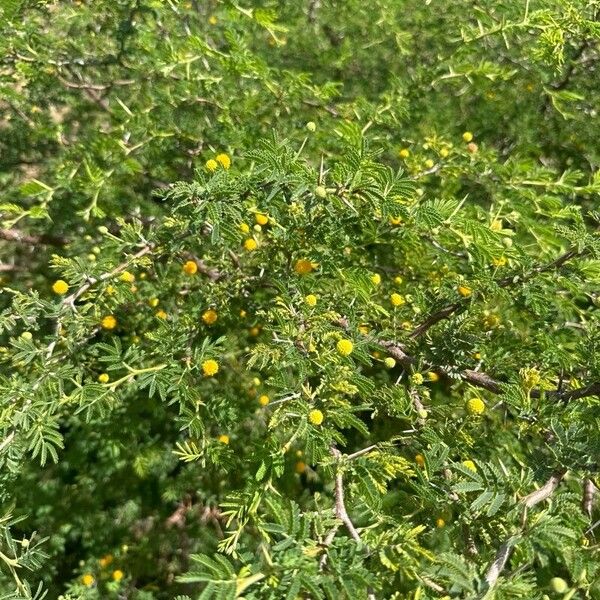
{"x":106,"y":560}
{"x":104,"y":378}
{"x":60,"y":287}
{"x":254,"y":331}
{"x":153,"y":302}
{"x":464,"y":290}
{"x":420,"y":460}
{"x":250,"y":245}
{"x":472,"y":148}
{"x":429,"y":163}
{"x":88,"y":580}
{"x":345,"y":347}
{"x":117,"y":575}
{"x":433,"y":376}
{"x":223,"y":439}
{"x":127,"y":277}
{"x":210,"y":367}
{"x":224,"y":160}
{"x":376,"y":279}
{"x":491,"y":321}
{"x":300,"y":467}
{"x":109,"y":322}
{"x":311,"y":126}
{"x":469,"y":464}
{"x":499,"y":262}
{"x":439,"y":523}
{"x":315,"y":416}
{"x":212,"y":20}
{"x":320,"y":192}
{"x":244,"y":228}
{"x":398,"y":280}
{"x":467,"y":136}
{"x":211,"y":165}
{"x":311,"y":300}
{"x":397,"y":299}
{"x":475,"y":406}
{"x":261,"y":219}
{"x":364,"y":329}
{"x":263,"y":400}
{"x":389,"y":363}
{"x":210,"y":316}
{"x":444,"y":152}
{"x":416,"y":378}
{"x":496,"y":225}
{"x":161,"y":314}
{"x":303,"y":266}
{"x":559,"y":585}
{"x":190,"y":267}
{"x":404,"y":153}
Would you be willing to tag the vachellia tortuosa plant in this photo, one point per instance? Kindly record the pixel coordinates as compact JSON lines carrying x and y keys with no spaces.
{"x":299,"y":300}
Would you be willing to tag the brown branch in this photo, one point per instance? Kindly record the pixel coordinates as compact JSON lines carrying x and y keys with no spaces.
{"x":457,"y":307}
{"x":587,"y":501}
{"x":14,"y":235}
{"x":529,"y":501}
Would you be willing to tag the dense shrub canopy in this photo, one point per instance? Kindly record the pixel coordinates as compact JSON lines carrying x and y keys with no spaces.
{"x":299,"y":299}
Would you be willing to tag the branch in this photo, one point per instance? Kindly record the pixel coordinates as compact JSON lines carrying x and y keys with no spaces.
{"x":529,"y":501}
{"x":450,"y":309}
{"x":14,"y":235}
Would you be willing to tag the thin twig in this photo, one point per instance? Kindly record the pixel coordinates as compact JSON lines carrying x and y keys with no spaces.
{"x":529,"y":501}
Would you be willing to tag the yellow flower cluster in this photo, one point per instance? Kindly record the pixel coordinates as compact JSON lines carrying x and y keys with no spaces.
{"x":221,"y":159}
{"x":210,"y":367}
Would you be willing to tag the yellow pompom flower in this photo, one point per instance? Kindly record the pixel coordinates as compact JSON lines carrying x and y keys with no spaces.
{"x":250,"y":244}
{"x":467,"y":136}
{"x":108,"y":322}
{"x":420,"y":460}
{"x":210,"y":367}
{"x":404,"y":153}
{"x":439,"y":523}
{"x":223,"y":439}
{"x":210,"y":316}
{"x":469,"y":464}
{"x":127,"y":277}
{"x":212,"y":165}
{"x":300,"y":467}
{"x":433,"y":376}
{"x":417,"y":378}
{"x":303,"y":266}
{"x":345,"y":347}
{"x":212,"y":20}
{"x":429,"y":164}
{"x":311,"y":300}
{"x":263,"y":400}
{"x":88,"y":580}
{"x":244,"y":228}
{"x":464,"y":290}
{"x":117,"y":575}
{"x":60,"y":287}
{"x":444,"y":152}
{"x":106,"y":560}
{"x":389,"y":362}
{"x":315,"y":416}
{"x":161,"y":314}
{"x":499,"y":262}
{"x":153,"y":302}
{"x":254,"y":331}
{"x":104,"y":378}
{"x":475,"y":406}
{"x":190,"y":267}
{"x":224,"y":160}
{"x":397,"y":299}
{"x":376,"y":279}
{"x":261,"y":219}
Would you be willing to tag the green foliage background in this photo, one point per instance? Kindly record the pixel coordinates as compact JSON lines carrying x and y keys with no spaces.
{"x":123,"y":488}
